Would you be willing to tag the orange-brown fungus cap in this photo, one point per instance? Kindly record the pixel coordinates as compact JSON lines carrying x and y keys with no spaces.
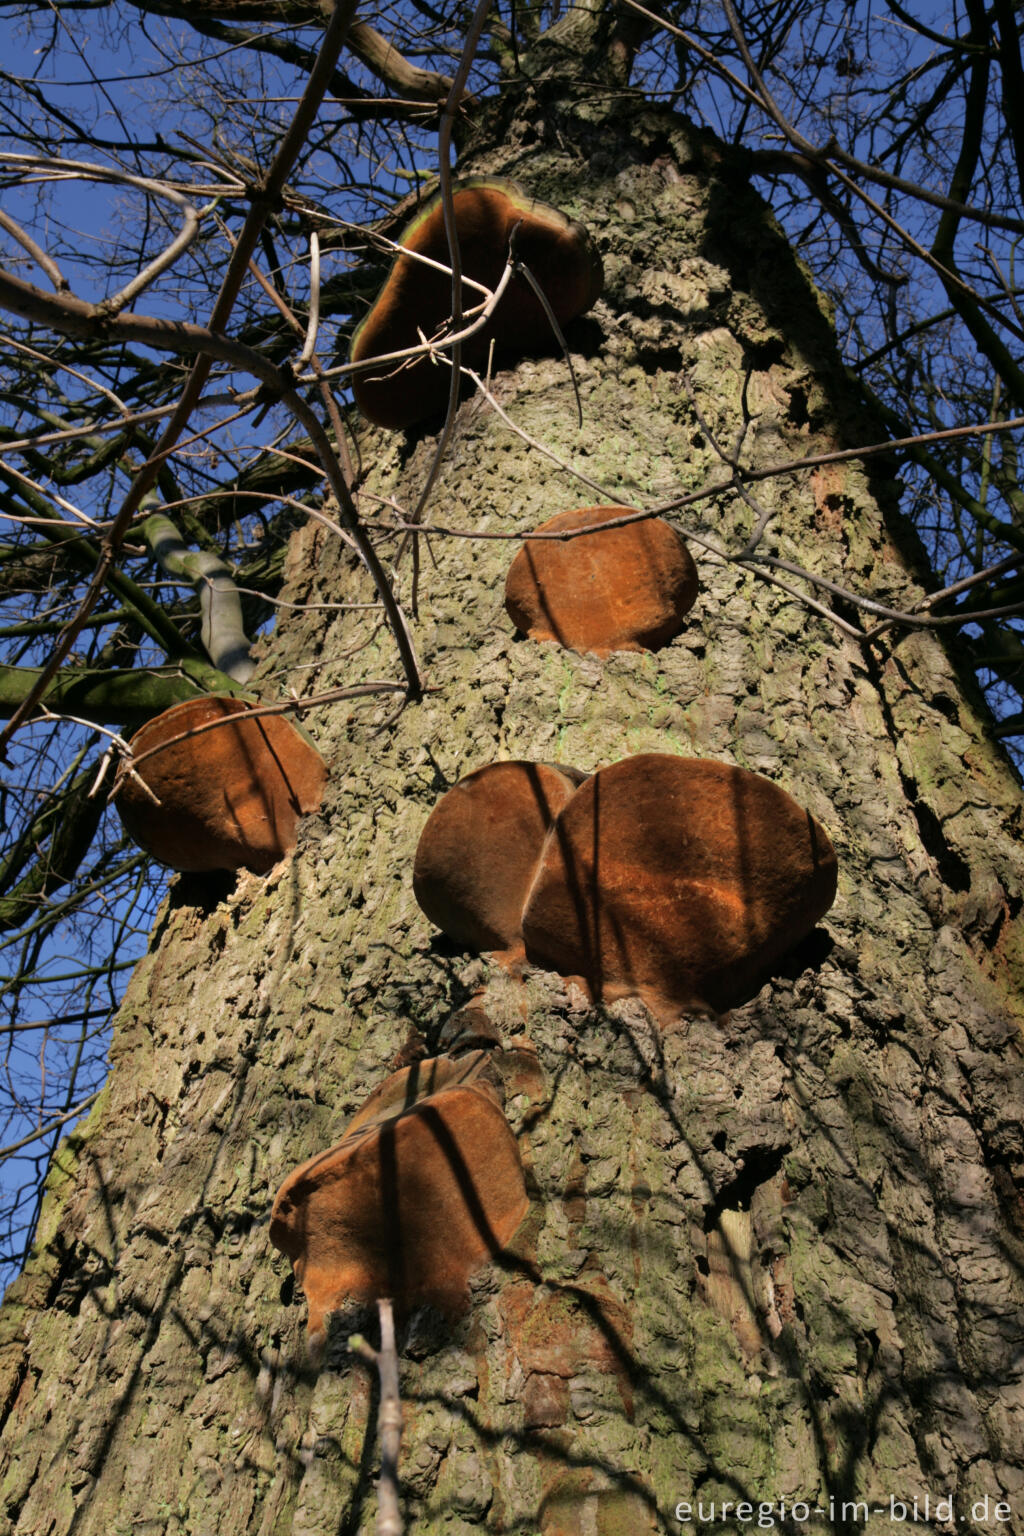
{"x":478,"y":853}
{"x":416,"y":297}
{"x":678,"y":881}
{"x":615,"y":589}
{"x":424,"y":1187}
{"x":230,"y":797}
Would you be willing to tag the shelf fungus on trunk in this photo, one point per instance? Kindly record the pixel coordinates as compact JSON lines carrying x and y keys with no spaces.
{"x":227,"y":797}
{"x":425,"y":1186}
{"x":478,"y":853}
{"x":677,"y":880}
{"x":611,"y":589}
{"x":493,"y":218}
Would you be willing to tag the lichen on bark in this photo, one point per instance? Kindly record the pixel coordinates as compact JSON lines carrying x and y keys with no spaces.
{"x":770,"y":1255}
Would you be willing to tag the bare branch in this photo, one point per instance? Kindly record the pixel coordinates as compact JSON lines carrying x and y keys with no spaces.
{"x":384,"y":59}
{"x":223,"y":633}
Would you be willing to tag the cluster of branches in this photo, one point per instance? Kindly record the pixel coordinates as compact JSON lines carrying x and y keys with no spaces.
{"x":891,"y":146}
{"x":185,"y":246}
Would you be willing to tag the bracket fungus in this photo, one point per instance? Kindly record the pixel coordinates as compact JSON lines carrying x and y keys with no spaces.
{"x":676,"y":880}
{"x":228,"y":797}
{"x":679,"y":881}
{"x":424,"y":1187}
{"x":612,"y":589}
{"x":478,"y":853}
{"x":489,"y":212}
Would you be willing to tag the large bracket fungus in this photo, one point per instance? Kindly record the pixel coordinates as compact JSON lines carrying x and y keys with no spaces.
{"x":228,"y":797}
{"x":478,"y":853}
{"x":493,"y":217}
{"x":613,"y":589}
{"x":424,"y":1187}
{"x":679,"y":881}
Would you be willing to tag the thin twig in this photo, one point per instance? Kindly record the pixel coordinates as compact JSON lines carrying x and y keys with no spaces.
{"x":51,"y":1125}
{"x":39,"y":256}
{"x":523,"y":270}
{"x":389,"y":1417}
{"x":309,"y":345}
{"x":69,"y":506}
{"x":455,"y":261}
{"x":291,"y":706}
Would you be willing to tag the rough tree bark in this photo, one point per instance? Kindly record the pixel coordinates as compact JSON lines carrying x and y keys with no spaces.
{"x":773,"y":1255}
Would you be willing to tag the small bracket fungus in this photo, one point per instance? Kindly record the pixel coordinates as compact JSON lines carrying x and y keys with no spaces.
{"x":478,"y":853}
{"x":677,"y":880}
{"x":226,"y":798}
{"x":615,"y":589}
{"x":423,"y":1188}
{"x":418,"y":298}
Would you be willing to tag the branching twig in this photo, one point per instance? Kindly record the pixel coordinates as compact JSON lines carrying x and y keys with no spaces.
{"x":293,"y":706}
{"x":67,"y":170}
{"x":295,"y":137}
{"x":77,"y":318}
{"x":389,"y":1417}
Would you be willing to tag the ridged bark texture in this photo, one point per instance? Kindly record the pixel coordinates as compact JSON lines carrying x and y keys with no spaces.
{"x":772,"y":1255}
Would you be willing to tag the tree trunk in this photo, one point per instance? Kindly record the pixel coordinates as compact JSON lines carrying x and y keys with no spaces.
{"x":773,"y":1255}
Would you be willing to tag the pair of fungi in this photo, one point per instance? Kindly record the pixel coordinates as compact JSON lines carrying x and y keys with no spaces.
{"x":679,"y":881}
{"x":494,"y":220}
{"x":214,"y":786}
{"x":425,"y":1185}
